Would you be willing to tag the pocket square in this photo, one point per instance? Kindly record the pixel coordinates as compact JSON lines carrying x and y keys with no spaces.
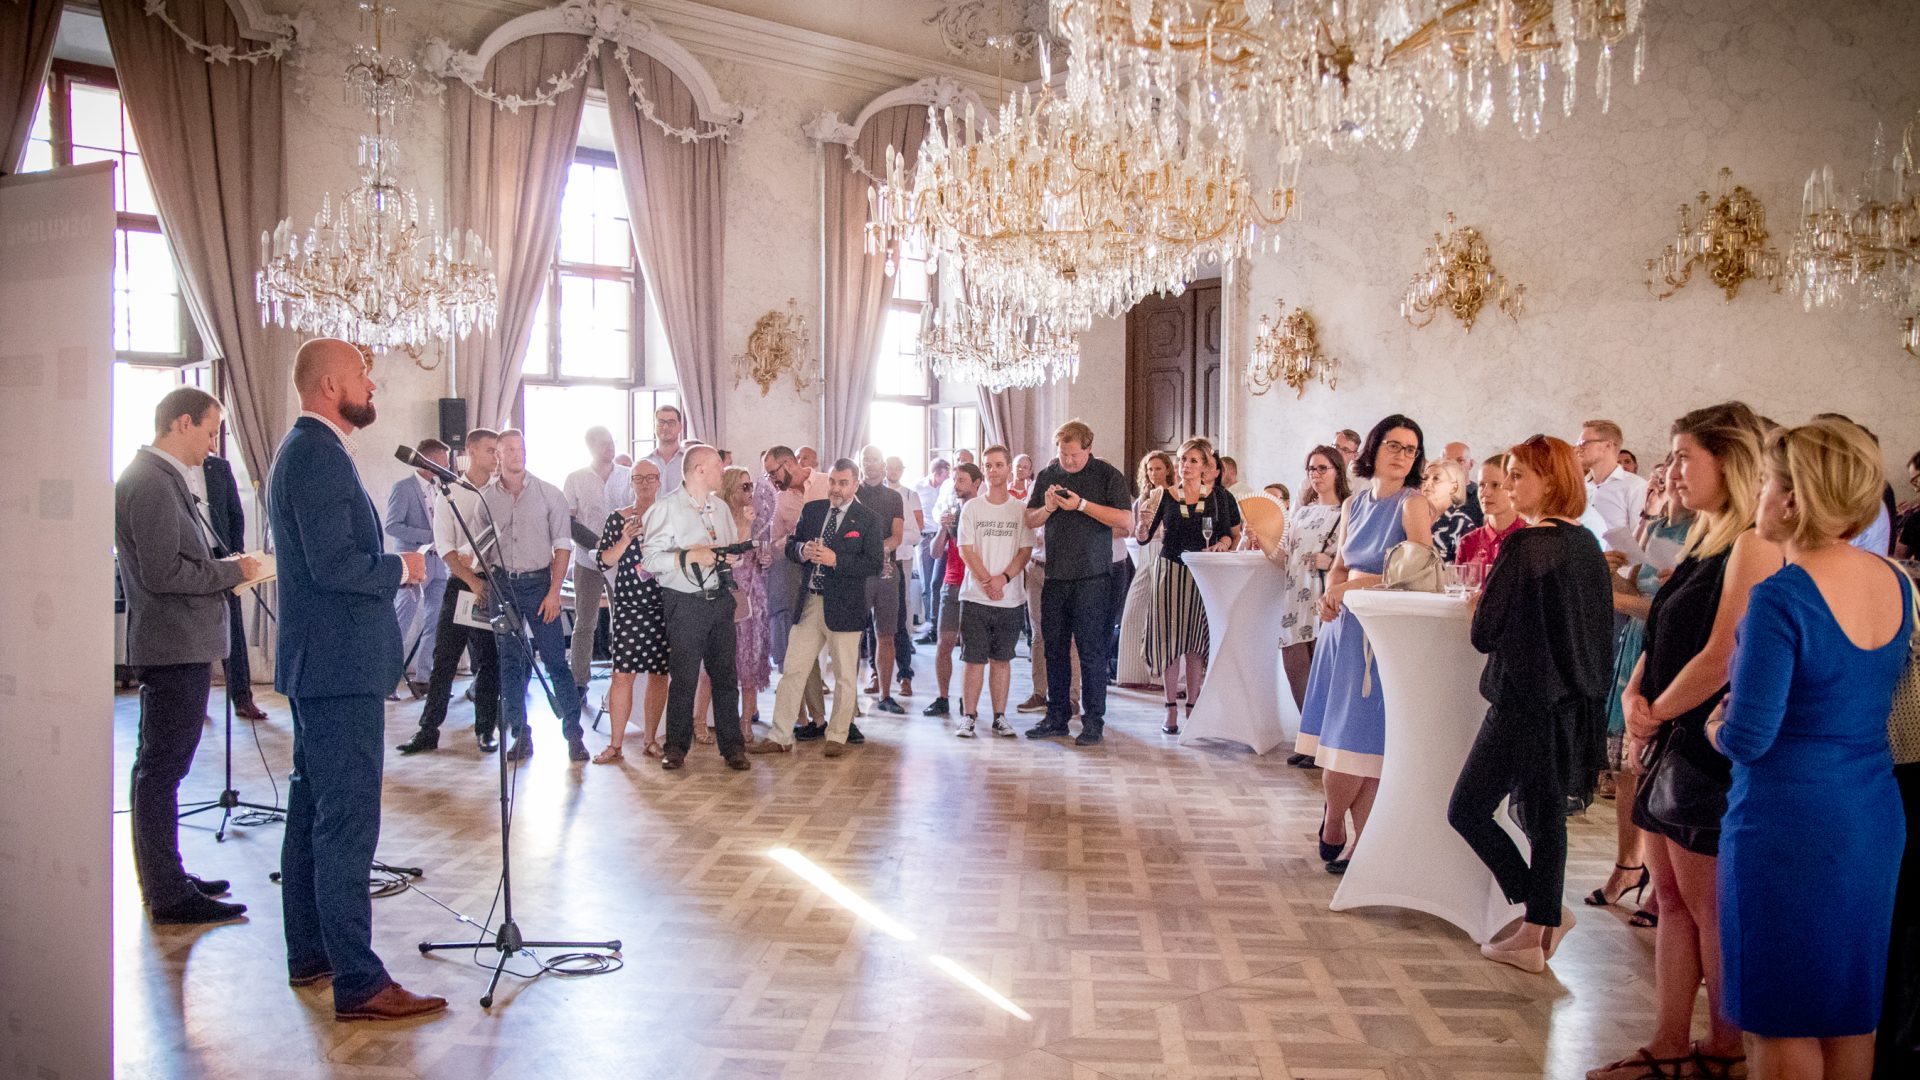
{"x":854,"y":535}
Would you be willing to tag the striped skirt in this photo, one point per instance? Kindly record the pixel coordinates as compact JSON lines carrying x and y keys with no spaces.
{"x":1177,"y":625}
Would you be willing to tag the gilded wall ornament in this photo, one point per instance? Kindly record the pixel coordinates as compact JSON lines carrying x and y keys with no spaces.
{"x":779,"y":344}
{"x":1728,"y":240}
{"x":1459,"y":277}
{"x":1288,"y":351}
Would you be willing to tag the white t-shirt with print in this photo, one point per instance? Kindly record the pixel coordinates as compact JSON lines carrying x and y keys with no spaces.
{"x":996,"y":534}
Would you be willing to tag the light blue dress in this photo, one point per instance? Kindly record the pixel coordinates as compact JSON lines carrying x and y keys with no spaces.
{"x":1343,"y":724}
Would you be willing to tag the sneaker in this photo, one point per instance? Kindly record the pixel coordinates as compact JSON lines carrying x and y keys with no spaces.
{"x":809,"y":732}
{"x":888,"y":705}
{"x":854,"y":738}
{"x":966,"y":730}
{"x":938,"y":708}
{"x":1036,"y":703}
{"x":1089,"y":735}
{"x":1001,"y":729}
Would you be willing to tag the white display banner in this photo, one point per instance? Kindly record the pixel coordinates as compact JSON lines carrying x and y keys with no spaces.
{"x":56,"y":623}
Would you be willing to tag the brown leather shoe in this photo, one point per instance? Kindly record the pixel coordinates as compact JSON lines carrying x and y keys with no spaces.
{"x":312,"y":979}
{"x":738,"y":762}
{"x":834,"y":749}
{"x":393,"y":1003}
{"x":765,"y":745}
{"x":247,"y":710}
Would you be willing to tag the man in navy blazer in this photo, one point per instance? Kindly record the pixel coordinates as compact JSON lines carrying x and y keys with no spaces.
{"x":229,"y":523}
{"x":838,"y":544}
{"x":410,"y":523}
{"x":339,"y":654}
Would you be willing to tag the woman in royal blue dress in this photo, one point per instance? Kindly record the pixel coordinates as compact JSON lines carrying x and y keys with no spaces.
{"x":1343,"y":725}
{"x":1813,"y":801}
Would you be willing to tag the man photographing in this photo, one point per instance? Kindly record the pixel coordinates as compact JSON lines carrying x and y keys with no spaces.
{"x":687,"y":533}
{"x":177,"y":616}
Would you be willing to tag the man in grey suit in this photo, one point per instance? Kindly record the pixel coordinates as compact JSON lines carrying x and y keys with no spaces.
{"x":176,"y":628}
{"x":409,"y":523}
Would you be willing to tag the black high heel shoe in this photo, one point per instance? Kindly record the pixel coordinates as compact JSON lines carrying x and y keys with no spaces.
{"x":1329,"y":853}
{"x":1598,"y":897}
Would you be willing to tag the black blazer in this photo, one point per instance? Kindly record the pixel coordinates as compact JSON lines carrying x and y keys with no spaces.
{"x":229,"y":521}
{"x":859,"y":548}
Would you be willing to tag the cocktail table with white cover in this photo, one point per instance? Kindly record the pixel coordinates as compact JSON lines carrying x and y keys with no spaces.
{"x":1409,"y":857}
{"x":1246,"y":697}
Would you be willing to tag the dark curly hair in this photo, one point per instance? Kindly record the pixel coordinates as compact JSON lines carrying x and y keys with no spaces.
{"x":1364,"y":462}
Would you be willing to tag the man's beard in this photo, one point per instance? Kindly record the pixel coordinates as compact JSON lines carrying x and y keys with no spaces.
{"x":361,"y":415}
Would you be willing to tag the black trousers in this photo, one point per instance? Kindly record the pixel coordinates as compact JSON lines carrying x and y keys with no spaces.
{"x":1121,"y":577}
{"x":1077,"y":612}
{"x":173,"y":709}
{"x":1507,"y":750}
{"x":451,"y":638}
{"x":237,"y":666}
{"x":700,"y":634}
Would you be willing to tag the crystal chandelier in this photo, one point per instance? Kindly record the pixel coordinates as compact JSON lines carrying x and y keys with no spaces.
{"x":369,"y":270}
{"x":1729,"y":240}
{"x":1459,"y":277}
{"x":1863,"y":249}
{"x":1340,"y":73}
{"x":999,"y":349}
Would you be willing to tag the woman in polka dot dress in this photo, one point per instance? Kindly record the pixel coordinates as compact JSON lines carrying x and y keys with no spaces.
{"x":639,"y":620}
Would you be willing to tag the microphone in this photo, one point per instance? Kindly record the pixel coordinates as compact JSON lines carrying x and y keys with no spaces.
{"x":409,"y":456}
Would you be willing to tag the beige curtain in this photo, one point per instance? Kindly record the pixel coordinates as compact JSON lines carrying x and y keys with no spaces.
{"x":1022,"y":420}
{"x":676,"y":193}
{"x":27,"y":29}
{"x":506,"y":171}
{"x":855,"y":283}
{"x":210,"y":136}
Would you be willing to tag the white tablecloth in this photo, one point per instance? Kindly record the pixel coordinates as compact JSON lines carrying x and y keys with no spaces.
{"x":1133,"y":616}
{"x":1246,"y":698}
{"x":1409,"y":857}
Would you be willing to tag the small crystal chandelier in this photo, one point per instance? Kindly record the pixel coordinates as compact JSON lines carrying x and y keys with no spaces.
{"x":1862,"y":250}
{"x":1341,"y":73}
{"x":998,"y":349}
{"x":369,"y":270}
{"x":1459,"y":277}
{"x":1729,"y":240}
{"x":1288,"y":353}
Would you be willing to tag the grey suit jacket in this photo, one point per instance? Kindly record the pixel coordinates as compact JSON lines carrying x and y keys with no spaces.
{"x":176,"y":590}
{"x":407,"y":521}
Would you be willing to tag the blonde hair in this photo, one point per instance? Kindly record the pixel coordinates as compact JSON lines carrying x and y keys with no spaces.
{"x":1833,"y":469}
{"x":1731,"y":432}
{"x":735,"y":482}
{"x":1455,"y":476}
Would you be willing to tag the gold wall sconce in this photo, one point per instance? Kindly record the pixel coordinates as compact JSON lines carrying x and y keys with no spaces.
{"x":1286,"y":349}
{"x":778,"y":345}
{"x":1728,"y":240}
{"x":1459,"y":277}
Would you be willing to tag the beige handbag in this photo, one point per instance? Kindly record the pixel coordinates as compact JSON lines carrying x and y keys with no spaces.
{"x":1903,"y":722}
{"x":1413,"y":567}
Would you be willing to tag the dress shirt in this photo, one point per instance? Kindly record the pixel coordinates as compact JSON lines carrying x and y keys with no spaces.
{"x":675,"y":524}
{"x":590,"y":499}
{"x":1618,"y":501}
{"x":672,"y":470}
{"x":928,"y":493}
{"x":788,"y":504}
{"x":447,"y":537}
{"x":345,"y":440}
{"x":531,"y":527}
{"x":196,"y":489}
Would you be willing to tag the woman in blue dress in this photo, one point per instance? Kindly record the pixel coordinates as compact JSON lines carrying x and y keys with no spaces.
{"x":1343,"y":724}
{"x":1813,"y":804}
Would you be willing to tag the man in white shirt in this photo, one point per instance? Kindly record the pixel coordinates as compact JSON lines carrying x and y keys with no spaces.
{"x":464,"y":576}
{"x":1230,"y":477}
{"x":928,"y":492}
{"x":669,"y":453}
{"x":592,"y":493}
{"x":682,"y":529}
{"x":995,"y":543}
{"x":1615,"y":496}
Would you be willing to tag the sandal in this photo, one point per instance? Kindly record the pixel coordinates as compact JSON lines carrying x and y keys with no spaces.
{"x":1599,"y":897}
{"x":1644,"y":919}
{"x":608,"y":756}
{"x":1644,"y":1066}
{"x":1719,"y":1068}
{"x":1172,"y":726}
{"x":652,"y":749}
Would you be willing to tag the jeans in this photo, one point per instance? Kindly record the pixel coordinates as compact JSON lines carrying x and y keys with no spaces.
{"x":333,"y":826}
{"x":449,"y":640}
{"x":516,"y":667}
{"x":902,"y":632}
{"x":1077,"y":614}
{"x":700,"y":634}
{"x":1506,"y":748}
{"x":173,"y":708}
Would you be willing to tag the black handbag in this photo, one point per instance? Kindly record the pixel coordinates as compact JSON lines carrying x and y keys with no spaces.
{"x":1686,"y":800}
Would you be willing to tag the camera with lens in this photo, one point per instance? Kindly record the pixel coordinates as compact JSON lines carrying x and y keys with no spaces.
{"x":722,"y":562}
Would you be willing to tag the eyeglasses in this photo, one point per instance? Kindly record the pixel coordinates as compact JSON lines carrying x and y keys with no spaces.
{"x":1318,"y":469}
{"x":1396,"y":448}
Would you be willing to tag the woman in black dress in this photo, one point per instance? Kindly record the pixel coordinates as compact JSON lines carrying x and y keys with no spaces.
{"x":1682,"y":675}
{"x":1195,"y":514}
{"x":639,"y":620}
{"x":1545,"y":621}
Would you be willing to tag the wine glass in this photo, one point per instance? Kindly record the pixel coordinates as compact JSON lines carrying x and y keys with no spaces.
{"x":1206,"y":529}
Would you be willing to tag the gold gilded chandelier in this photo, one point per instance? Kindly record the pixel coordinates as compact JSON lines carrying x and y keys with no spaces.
{"x":1459,"y":278}
{"x":1288,"y":352}
{"x":1728,"y":240}
{"x":1340,"y":73}
{"x":1863,"y":249}
{"x":369,"y":270}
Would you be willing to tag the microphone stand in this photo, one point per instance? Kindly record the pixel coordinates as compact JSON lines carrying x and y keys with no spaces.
{"x":509,"y":622}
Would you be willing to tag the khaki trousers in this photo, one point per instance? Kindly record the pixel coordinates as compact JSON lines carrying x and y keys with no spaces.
{"x":810,"y":635}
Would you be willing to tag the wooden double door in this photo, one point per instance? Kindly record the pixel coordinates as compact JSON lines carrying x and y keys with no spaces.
{"x":1173,"y":370}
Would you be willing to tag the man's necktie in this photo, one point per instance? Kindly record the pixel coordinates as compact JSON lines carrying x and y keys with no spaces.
{"x":826,"y":534}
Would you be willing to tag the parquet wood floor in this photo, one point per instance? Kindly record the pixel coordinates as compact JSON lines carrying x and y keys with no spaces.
{"x":1156,"y":911}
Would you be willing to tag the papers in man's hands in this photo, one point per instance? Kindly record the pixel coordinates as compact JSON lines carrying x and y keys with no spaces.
{"x":1661,"y":553}
{"x":464,"y":613}
{"x":267,"y":570}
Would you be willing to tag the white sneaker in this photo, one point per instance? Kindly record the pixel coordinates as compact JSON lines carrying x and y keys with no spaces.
{"x":966,"y":730}
{"x":1001,"y":729}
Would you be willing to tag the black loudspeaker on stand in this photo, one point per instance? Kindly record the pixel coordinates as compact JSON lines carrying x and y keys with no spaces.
{"x":510,"y":624}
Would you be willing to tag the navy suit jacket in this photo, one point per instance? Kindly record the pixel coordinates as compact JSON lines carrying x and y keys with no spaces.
{"x":337,"y":630}
{"x":859,"y":549}
{"x":224,"y":512}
